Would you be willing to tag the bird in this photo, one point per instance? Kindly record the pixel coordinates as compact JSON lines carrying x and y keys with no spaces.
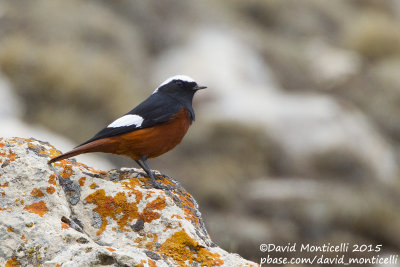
{"x":152,"y":128}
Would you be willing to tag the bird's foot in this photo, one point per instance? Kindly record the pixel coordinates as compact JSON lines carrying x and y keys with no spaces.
{"x":158,"y":185}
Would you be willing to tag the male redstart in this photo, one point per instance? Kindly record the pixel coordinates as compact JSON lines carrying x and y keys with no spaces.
{"x":152,"y":128}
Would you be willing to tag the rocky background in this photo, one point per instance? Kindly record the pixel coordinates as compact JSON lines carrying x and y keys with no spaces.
{"x":297,"y":138}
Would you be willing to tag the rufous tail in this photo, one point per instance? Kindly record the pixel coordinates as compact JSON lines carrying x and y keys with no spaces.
{"x":67,"y":155}
{"x":95,"y":146}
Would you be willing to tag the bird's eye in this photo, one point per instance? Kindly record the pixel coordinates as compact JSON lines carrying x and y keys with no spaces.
{"x":179,"y":83}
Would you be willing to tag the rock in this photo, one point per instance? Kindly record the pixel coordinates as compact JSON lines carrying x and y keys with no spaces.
{"x":17,"y":127}
{"x":87,"y":217}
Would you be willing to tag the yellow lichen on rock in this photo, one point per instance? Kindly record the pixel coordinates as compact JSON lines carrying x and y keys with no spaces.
{"x":39,"y":208}
{"x":108,"y":206}
{"x":186,"y":251}
{"x":86,"y":216}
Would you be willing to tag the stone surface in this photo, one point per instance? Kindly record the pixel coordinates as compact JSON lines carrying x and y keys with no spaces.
{"x":85,"y":217}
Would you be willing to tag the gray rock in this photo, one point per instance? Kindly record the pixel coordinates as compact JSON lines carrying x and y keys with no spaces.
{"x":40,"y":225}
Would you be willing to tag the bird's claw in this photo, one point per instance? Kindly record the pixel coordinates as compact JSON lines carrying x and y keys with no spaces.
{"x":158,"y":185}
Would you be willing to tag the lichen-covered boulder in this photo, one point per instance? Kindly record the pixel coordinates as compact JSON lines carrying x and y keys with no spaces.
{"x":85,"y":217}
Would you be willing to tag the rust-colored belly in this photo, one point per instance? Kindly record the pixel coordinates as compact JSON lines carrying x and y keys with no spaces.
{"x":153,"y":141}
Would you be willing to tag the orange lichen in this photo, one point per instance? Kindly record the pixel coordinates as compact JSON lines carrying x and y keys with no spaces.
{"x":93,"y":186}
{"x":122,"y":211}
{"x":188,"y":207}
{"x":36,"y":192}
{"x":37,"y":147}
{"x":168,"y":227}
{"x":4,"y":185}
{"x":151,"y":263}
{"x":9,"y":210}
{"x":10,"y":155}
{"x":152,"y":239}
{"x":21,"y":141}
{"x":54,"y":152}
{"x":108,"y":206}
{"x":176,"y":216}
{"x":64,"y":225}
{"x":39,"y":208}
{"x":52,"y":179}
{"x":139,"y":241}
{"x":110,"y":249}
{"x":182,"y":248}
{"x":131,"y":184}
{"x":100,"y":172}
{"x":30,"y":145}
{"x":12,"y":262}
{"x":149,"y":214}
{"x":67,"y":171}
{"x":50,"y":190}
{"x":80,"y":164}
{"x":148,"y":241}
{"x":138,"y":195}
{"x":51,"y":151}
{"x":81,"y":181}
{"x":23,"y":237}
{"x":91,"y":169}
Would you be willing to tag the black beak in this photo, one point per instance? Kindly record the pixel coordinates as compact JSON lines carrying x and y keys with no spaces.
{"x":198,"y":87}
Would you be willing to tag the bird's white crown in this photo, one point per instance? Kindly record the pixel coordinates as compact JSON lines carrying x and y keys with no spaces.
{"x":183,"y":78}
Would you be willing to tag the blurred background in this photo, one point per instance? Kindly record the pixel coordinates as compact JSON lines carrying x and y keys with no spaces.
{"x":297,"y":137}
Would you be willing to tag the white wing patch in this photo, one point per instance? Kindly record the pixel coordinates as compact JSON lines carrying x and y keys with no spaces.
{"x":183,"y":78}
{"x":127,"y":120}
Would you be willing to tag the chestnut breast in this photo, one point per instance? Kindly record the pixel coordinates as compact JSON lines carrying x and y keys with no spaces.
{"x":153,"y":141}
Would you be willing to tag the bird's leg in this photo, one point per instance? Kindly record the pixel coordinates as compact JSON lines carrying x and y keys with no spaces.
{"x":141,"y":166}
{"x":146,"y":168}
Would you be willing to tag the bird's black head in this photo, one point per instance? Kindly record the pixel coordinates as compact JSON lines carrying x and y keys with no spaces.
{"x":180,"y":87}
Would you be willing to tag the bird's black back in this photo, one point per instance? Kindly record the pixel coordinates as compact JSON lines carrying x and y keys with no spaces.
{"x":156,"y":109}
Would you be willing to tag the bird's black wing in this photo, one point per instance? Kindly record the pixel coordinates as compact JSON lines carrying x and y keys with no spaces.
{"x":154,"y":110}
